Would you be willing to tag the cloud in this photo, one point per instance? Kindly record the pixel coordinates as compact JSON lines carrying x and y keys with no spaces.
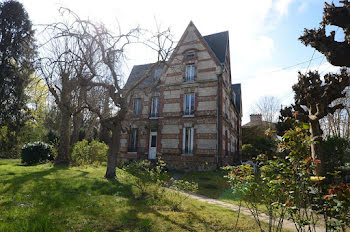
{"x":281,"y":6}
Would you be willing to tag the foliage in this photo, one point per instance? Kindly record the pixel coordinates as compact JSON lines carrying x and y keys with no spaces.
{"x":179,"y":193}
{"x":249,"y":151}
{"x":337,"y":152}
{"x":285,"y":186}
{"x":36,"y":152}
{"x":85,"y":153}
{"x":17,"y":52}
{"x":261,"y":141}
{"x":286,"y":120}
{"x":147,"y":175}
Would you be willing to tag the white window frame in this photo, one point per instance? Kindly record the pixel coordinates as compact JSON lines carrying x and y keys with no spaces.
{"x":187,"y":140}
{"x":190,"y":73}
{"x":191,"y":104}
{"x":155,"y":107}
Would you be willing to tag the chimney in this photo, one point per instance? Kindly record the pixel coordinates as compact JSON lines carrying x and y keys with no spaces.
{"x":256,"y":119}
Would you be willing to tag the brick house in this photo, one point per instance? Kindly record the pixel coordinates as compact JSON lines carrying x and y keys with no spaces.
{"x":187,"y":111}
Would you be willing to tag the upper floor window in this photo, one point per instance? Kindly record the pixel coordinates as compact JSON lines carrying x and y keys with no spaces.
{"x":190,"y":70}
{"x":187,"y":140}
{"x":155,"y":107}
{"x":189,"y":104}
{"x":137,"y":106}
{"x":190,"y":55}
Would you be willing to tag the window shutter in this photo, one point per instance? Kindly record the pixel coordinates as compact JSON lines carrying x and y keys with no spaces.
{"x":192,"y":130}
{"x":183,"y":140}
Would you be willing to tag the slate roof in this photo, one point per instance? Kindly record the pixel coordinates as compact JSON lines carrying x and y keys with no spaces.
{"x":218,"y":43}
{"x":236,"y":88}
{"x":137,"y":73}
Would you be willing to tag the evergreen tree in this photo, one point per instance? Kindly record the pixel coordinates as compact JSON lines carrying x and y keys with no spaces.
{"x":17,"y":51}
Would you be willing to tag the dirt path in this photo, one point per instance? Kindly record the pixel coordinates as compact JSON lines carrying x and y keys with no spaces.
{"x":263,"y":217}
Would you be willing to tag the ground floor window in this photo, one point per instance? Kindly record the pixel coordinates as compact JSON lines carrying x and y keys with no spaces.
{"x":187,"y":143}
{"x":133,"y":140}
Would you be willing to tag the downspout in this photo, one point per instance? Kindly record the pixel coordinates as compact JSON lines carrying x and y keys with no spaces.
{"x":218,"y":114}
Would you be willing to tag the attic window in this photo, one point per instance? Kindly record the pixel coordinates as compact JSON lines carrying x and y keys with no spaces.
{"x":190,"y":55}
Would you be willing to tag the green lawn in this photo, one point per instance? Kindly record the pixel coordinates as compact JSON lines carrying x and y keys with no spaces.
{"x":57,"y":198}
{"x":213,"y":184}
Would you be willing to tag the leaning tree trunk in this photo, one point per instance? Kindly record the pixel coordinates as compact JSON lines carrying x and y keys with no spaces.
{"x":316,"y":149}
{"x":63,"y":149}
{"x":114,"y":146}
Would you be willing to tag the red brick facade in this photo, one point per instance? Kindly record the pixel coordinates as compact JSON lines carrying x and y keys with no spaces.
{"x":205,"y":139}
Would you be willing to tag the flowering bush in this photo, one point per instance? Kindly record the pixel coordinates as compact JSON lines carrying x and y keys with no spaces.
{"x":285,"y":186}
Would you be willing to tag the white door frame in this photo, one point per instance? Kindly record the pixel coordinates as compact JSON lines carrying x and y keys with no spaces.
{"x":152,"y":151}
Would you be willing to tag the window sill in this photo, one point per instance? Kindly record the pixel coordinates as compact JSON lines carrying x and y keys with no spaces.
{"x":187,"y":154}
{"x":155,"y":117}
{"x":188,"y":116}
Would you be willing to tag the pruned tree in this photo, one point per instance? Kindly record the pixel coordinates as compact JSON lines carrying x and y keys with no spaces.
{"x":319,"y":96}
{"x":337,"y":53}
{"x":313,"y":99}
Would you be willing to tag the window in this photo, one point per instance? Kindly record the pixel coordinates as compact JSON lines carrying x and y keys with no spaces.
{"x":137,"y":106}
{"x":187,"y":141}
{"x":190,"y":56}
{"x":154,"y":107}
{"x":189,"y":104}
{"x":190,"y":69}
{"x":133,"y":140}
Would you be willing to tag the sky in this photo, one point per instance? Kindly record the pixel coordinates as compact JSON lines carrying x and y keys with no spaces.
{"x":265,"y":51}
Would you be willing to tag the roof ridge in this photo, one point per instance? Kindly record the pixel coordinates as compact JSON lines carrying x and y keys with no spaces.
{"x":216,"y":33}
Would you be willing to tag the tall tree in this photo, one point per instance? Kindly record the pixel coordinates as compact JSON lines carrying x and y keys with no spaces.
{"x":313,"y":98}
{"x":17,"y":52}
{"x":310,"y":90}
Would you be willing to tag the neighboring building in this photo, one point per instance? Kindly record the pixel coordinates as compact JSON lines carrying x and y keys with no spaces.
{"x":256,"y":121}
{"x":187,"y":111}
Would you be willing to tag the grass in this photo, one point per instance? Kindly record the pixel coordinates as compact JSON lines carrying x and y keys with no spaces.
{"x":214,"y":185}
{"x":58,"y":198}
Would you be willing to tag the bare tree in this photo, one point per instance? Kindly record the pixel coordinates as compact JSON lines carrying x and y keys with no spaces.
{"x":268,"y":107}
{"x":60,"y":68}
{"x":101,"y":52}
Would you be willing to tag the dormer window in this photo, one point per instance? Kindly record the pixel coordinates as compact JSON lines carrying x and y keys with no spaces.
{"x":190,"y":70}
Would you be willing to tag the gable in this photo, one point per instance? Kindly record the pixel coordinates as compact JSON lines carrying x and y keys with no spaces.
{"x":205,"y":59}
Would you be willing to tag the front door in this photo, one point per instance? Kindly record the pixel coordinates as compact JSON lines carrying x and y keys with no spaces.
{"x":152,"y":145}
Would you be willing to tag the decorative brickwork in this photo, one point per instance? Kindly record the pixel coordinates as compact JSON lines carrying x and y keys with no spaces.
{"x":197,"y":132}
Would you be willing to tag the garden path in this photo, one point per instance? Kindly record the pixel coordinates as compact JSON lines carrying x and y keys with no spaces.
{"x":287,"y":224}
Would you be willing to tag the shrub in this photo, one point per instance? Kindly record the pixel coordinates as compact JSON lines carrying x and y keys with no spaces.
{"x":337,"y":152}
{"x":147,"y":178}
{"x":36,"y":152}
{"x":180,"y":192}
{"x":85,"y":153}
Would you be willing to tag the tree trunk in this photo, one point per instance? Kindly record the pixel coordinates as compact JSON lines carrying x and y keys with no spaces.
{"x":92,"y":124}
{"x":77,"y":123}
{"x":63,"y":149}
{"x":113,"y":151}
{"x":316,"y":148}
